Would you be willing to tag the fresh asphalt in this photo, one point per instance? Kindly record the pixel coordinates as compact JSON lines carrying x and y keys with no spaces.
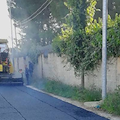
{"x":22,"y":103}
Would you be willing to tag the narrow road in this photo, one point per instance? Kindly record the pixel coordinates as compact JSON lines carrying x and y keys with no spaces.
{"x":22,"y":103}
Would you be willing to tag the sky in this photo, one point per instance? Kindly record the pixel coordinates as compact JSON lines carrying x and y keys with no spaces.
{"x":4,"y":22}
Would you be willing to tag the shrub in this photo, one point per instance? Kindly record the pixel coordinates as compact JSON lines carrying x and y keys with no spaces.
{"x":112,"y":102}
{"x":92,"y":94}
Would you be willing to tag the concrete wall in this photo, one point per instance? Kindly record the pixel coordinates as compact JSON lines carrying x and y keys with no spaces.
{"x":19,"y":64}
{"x":55,"y":68}
{"x":113,"y":69}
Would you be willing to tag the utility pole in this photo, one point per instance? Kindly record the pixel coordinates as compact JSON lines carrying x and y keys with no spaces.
{"x":11,"y":31}
{"x":104,"y":49}
{"x":16,"y":44}
{"x":15,"y":34}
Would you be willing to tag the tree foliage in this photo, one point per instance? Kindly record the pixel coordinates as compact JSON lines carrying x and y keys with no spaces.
{"x":73,"y":36}
{"x":113,"y":8}
{"x":83,"y":46}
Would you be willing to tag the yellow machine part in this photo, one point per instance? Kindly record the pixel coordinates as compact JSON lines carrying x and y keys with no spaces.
{"x":1,"y":68}
{"x":11,"y":68}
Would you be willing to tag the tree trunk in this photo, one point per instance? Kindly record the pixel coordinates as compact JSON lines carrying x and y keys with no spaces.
{"x":82,"y":80}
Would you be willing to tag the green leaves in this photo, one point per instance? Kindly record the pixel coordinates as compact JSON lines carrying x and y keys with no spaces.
{"x":83,"y":45}
{"x":112,"y":102}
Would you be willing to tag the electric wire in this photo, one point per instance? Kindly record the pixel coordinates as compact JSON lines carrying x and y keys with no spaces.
{"x":22,"y":23}
{"x":34,"y":12}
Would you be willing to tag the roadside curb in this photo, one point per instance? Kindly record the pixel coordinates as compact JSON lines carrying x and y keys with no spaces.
{"x":80,"y":104}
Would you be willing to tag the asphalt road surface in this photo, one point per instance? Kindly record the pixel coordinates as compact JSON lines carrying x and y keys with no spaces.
{"x":22,"y":103}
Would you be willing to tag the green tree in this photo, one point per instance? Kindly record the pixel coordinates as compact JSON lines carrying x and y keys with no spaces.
{"x":73,"y":36}
{"x":81,"y":41}
{"x":113,"y":8}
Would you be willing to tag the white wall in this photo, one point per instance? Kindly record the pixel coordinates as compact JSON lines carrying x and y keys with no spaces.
{"x":55,"y":68}
{"x":19,"y":63}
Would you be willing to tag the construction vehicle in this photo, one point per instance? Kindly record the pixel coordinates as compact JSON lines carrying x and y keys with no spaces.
{"x":7,"y":75}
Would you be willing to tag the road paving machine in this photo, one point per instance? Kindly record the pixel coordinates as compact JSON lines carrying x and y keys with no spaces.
{"x":7,"y":73}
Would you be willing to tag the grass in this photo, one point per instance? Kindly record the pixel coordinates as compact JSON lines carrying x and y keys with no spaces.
{"x":112,"y":102}
{"x":37,"y":82}
{"x":74,"y":93}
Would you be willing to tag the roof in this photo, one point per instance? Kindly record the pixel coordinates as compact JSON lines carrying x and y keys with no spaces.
{"x":3,"y":41}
